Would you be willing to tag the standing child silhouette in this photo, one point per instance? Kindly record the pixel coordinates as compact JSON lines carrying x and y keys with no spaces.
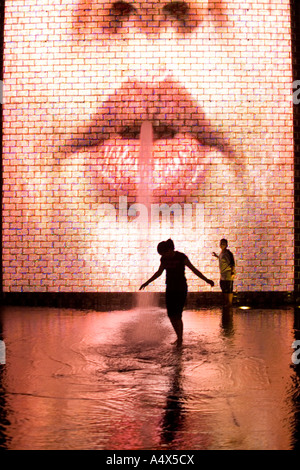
{"x":174,"y":263}
{"x":227,"y":271}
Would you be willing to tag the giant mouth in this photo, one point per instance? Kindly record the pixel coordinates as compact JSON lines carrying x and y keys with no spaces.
{"x":167,"y":105}
{"x":188,"y":149}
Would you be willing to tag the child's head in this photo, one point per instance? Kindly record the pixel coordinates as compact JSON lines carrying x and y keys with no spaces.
{"x":165,"y":247}
{"x":223,"y":243}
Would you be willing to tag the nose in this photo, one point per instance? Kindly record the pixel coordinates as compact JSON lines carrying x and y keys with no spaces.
{"x":149,"y":33}
{"x":157,"y":17}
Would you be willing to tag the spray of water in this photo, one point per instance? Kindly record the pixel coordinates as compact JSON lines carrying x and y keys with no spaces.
{"x":145,"y":299}
{"x":145,"y":164}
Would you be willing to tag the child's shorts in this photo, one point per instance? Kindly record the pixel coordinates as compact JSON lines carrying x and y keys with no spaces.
{"x":226,"y":287}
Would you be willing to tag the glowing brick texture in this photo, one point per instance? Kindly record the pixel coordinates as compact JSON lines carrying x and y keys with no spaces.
{"x":213,"y":79}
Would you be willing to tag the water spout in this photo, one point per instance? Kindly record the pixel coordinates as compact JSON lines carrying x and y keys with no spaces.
{"x":145,"y":194}
{"x":145,"y":164}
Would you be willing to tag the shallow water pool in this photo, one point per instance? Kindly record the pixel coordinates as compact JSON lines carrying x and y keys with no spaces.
{"x":113,"y":380}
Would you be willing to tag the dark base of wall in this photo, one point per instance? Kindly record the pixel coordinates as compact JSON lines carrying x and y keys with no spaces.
{"x":106,"y":301}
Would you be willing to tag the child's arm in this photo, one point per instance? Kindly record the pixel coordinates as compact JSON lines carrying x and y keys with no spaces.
{"x":198,"y":273}
{"x":155,"y":276}
{"x":232,"y":264}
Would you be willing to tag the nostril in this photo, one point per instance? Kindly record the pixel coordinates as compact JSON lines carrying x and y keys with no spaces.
{"x":183,"y":16}
{"x":122,"y":10}
{"x":178,"y":10}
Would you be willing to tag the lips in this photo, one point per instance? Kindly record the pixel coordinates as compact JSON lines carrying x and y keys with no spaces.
{"x":166,"y":104}
{"x":185,"y":143}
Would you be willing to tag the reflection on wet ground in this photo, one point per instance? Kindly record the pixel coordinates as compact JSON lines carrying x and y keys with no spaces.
{"x":112,"y":380}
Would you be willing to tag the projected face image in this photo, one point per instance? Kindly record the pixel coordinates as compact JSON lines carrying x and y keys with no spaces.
{"x":212,"y":80}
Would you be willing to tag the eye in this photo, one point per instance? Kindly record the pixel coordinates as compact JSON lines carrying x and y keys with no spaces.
{"x":122,"y":10}
{"x":178,"y":10}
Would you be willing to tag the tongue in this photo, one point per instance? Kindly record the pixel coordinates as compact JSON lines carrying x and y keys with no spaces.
{"x":172,"y":168}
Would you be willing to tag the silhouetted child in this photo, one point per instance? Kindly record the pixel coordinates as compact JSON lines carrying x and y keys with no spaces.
{"x":174,"y":263}
{"x":227,"y":271}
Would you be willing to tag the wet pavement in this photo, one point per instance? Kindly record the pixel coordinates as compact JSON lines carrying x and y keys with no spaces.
{"x":77,"y":379}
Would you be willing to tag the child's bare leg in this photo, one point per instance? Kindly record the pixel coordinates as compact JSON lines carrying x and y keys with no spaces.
{"x":178,"y":327}
{"x":227,"y":299}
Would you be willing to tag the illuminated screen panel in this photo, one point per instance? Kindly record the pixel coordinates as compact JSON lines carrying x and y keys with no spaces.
{"x":129,"y":123}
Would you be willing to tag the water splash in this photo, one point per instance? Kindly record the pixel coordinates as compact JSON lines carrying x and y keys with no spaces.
{"x":145,"y":299}
{"x":145,"y":164}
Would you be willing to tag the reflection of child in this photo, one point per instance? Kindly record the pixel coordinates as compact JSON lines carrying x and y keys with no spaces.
{"x":174,"y":263}
{"x":227,"y":271}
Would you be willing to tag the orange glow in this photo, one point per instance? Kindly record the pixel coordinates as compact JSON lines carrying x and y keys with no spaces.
{"x":81,"y":78}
